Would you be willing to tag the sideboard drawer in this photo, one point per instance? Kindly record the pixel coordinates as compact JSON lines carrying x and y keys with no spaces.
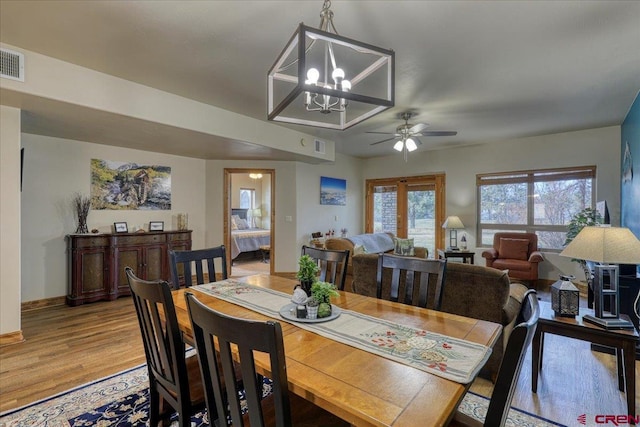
{"x":141,"y":239}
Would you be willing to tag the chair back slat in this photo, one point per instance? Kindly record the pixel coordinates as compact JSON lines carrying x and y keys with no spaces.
{"x":507,"y":379}
{"x":332,"y":263}
{"x":185,"y":260}
{"x":412,"y":273}
{"x":246,"y":337}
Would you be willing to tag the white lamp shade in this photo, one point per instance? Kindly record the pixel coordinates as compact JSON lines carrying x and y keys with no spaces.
{"x":411,"y":144}
{"x":398,"y":146}
{"x":609,"y":245}
{"x":453,"y":222}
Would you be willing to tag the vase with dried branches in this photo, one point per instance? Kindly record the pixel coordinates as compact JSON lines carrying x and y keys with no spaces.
{"x":82,"y":204}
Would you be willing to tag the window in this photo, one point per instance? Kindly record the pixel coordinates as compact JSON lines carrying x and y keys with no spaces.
{"x":247,"y":198}
{"x":540,"y":201}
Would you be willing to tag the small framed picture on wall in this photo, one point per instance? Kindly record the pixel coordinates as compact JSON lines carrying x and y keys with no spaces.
{"x":156,"y":225}
{"x":121,"y":227}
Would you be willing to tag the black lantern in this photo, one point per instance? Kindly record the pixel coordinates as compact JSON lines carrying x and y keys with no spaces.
{"x":565,"y":297}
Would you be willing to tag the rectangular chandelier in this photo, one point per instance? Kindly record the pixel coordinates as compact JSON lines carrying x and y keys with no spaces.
{"x":325,"y":80}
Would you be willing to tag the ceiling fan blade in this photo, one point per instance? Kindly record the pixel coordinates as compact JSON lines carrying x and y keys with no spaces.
{"x":438,"y":133}
{"x":384,"y":140}
{"x":418,"y":128}
{"x":383,"y":133}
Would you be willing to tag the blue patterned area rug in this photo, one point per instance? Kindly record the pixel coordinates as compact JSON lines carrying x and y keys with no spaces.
{"x":123,"y":400}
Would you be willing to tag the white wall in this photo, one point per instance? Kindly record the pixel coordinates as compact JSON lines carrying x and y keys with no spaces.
{"x":9,"y":220}
{"x":297,"y":194}
{"x":57,"y":168}
{"x":600,"y":147}
{"x":312,"y":216}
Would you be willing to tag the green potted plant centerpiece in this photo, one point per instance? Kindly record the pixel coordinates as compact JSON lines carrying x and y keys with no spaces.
{"x":307,"y":272}
{"x":322,"y":292}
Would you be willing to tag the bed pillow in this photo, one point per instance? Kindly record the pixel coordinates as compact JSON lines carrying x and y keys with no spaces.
{"x":234,"y":224}
{"x":404,"y":247}
{"x":242,"y":224}
{"x":514,"y":248}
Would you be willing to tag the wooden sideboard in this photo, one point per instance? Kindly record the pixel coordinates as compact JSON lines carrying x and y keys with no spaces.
{"x":97,"y":261}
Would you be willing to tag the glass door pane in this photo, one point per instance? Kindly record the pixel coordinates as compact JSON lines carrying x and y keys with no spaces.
{"x":421,"y":216}
{"x":385,"y":209}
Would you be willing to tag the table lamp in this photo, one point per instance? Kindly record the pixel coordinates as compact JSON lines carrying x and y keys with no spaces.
{"x":255,"y":213}
{"x":453,"y":224}
{"x":605,"y":245}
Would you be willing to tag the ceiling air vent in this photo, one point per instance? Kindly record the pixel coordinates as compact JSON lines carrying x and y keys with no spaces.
{"x":319,"y":146}
{"x":11,"y":65}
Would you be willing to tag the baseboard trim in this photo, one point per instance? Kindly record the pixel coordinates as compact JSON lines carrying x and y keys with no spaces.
{"x":11,"y":338}
{"x":43,"y":303}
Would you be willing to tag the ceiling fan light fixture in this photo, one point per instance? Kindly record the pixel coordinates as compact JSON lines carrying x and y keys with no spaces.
{"x":399,"y":146}
{"x":350,"y":81}
{"x":411,"y":145}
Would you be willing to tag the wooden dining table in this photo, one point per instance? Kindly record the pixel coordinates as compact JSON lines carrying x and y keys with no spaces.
{"x":358,"y":386}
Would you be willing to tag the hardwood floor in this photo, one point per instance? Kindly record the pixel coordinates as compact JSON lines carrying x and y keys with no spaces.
{"x":69,"y":346}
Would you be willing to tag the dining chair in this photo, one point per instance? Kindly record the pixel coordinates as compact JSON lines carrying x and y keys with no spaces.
{"x":173,"y":377}
{"x":510,"y":367}
{"x":249,"y":339}
{"x":333,"y":264}
{"x":413,"y":274}
{"x":185,"y":259}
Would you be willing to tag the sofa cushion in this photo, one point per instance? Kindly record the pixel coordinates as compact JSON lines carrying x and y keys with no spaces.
{"x":403,"y":247}
{"x":374,"y":243}
{"x":514,"y":248}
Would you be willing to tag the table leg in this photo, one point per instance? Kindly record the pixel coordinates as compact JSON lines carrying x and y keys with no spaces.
{"x":536,"y":359}
{"x":629,"y":351}
{"x":620,"y":365}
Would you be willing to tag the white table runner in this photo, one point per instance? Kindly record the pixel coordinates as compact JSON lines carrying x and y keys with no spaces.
{"x":452,"y":358}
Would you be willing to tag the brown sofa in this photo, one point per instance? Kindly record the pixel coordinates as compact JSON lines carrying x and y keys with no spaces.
{"x":345,"y":243}
{"x":469,"y":290}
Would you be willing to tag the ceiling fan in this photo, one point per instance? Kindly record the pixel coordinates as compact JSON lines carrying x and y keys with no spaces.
{"x":407,"y":134}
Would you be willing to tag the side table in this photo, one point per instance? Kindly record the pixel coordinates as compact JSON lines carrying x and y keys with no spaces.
{"x":623,"y":340}
{"x":265,"y":251}
{"x":465,"y":255}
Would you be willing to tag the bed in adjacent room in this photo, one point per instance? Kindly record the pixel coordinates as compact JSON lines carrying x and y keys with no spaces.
{"x":245,"y":238}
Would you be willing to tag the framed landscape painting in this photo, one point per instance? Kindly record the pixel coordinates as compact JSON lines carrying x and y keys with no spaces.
{"x":333,"y":191}
{"x":129,"y":186}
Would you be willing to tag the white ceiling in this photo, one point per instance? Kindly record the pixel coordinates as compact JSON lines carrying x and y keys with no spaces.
{"x":492,"y":70}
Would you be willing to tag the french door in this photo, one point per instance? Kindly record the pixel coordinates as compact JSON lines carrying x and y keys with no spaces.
{"x":409,"y":207}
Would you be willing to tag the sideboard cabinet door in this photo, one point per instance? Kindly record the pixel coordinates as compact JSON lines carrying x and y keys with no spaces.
{"x":89,"y":262}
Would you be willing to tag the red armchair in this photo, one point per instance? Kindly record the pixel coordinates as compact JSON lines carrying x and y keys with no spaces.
{"x":516,"y":252}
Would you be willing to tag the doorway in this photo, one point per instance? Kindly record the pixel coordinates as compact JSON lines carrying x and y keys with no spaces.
{"x":249,"y":233}
{"x":408,"y":207}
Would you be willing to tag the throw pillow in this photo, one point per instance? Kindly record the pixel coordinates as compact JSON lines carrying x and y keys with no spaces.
{"x":242,"y":224}
{"x":514,"y":248}
{"x":234,"y":224}
{"x":359,"y":249}
{"x":404,"y":247}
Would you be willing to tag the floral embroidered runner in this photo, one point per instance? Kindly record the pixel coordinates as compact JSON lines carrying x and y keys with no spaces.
{"x":452,"y":358}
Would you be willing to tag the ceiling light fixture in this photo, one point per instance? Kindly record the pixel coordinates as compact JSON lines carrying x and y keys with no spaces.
{"x":255,"y":175}
{"x":319,"y":71}
{"x":405,"y":145}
